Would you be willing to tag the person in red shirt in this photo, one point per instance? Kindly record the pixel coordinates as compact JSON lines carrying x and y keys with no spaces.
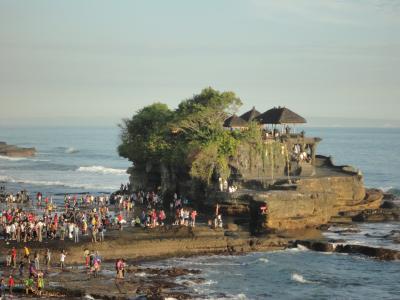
{"x":193,"y":218}
{"x":11,"y":284}
{"x":14,"y":257}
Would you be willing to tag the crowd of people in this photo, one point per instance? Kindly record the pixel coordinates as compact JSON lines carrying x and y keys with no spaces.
{"x":27,"y":269}
{"x":78,"y":218}
{"x":22,"y":226}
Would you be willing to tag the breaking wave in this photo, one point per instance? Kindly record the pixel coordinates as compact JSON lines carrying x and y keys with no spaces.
{"x":57,"y":183}
{"x":299,"y":278}
{"x":71,"y":150}
{"x":101,"y":170}
{"x":12,"y":158}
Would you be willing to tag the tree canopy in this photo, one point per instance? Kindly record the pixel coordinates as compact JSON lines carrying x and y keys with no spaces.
{"x":190,"y":137}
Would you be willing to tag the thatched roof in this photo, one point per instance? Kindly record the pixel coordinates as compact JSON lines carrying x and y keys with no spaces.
{"x":250,"y":115}
{"x":235,"y":121}
{"x":280,"y":115}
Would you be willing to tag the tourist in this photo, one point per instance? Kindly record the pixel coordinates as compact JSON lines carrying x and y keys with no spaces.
{"x":26,"y":254}
{"x":101,"y":233}
{"x":36,"y":260}
{"x":11,"y":284}
{"x":2,"y":288}
{"x":86,"y":255}
{"x":40,"y":283}
{"x":32,"y":270}
{"x":76,"y":233}
{"x":63,"y":255}
{"x":21,"y":268}
{"x":70,"y":230}
{"x":193,"y":215}
{"x":62,"y":231}
{"x":94,"y":234}
{"x":48,"y":258}
{"x":120,"y":266}
{"x":28,"y":285}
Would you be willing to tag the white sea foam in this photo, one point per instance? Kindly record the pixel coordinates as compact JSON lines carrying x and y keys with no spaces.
{"x":71,"y":150}
{"x":57,"y":183}
{"x":264,"y":260}
{"x":12,"y":158}
{"x":209,"y":282}
{"x":299,"y":278}
{"x":302,"y":248}
{"x":21,"y":158}
{"x":101,"y":170}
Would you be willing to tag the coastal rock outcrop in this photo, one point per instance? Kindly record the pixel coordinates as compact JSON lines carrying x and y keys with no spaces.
{"x":374,"y":252}
{"x":15,"y":151}
{"x":315,"y":201}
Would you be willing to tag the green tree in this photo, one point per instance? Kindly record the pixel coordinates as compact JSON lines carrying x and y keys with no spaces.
{"x":144,"y":136}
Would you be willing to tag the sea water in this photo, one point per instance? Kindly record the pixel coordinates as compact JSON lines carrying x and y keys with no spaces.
{"x":73,"y":160}
{"x":291,"y":274}
{"x":68,"y":160}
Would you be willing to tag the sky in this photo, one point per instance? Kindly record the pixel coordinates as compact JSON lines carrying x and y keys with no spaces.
{"x":95,"y":62}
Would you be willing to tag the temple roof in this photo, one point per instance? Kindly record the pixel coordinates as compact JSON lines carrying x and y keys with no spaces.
{"x":235,"y":121}
{"x":280,"y":115}
{"x":250,"y":115}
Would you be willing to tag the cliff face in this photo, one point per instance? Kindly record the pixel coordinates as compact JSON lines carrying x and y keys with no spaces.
{"x":348,"y":191}
{"x":254,"y":165}
{"x":314,"y":201}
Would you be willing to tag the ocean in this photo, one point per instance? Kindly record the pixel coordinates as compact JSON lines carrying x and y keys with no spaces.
{"x":68,"y":160}
{"x":77,"y":160}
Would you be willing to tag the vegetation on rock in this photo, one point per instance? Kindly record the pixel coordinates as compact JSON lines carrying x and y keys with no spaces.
{"x":190,"y":141}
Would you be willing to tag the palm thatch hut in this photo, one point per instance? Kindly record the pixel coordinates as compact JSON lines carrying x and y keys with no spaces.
{"x":281,"y":116}
{"x":250,"y":115}
{"x":235,"y":122}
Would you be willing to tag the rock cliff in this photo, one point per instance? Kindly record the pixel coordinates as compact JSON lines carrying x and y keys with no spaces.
{"x":314,"y":201}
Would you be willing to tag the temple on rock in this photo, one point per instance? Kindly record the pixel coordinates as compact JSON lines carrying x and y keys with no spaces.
{"x":259,"y":168}
{"x":288,"y":186}
{"x":287,"y":153}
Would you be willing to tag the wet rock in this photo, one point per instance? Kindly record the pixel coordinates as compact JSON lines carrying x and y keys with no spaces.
{"x":389,"y":205}
{"x":379,"y":253}
{"x":388,"y":196}
{"x":172,"y":272}
{"x":317,"y":245}
{"x":378,"y":215}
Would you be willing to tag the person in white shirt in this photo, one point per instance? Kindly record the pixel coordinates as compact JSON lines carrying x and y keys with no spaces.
{"x":62,"y":259}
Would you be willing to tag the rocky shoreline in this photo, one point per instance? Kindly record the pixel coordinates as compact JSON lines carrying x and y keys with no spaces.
{"x":137,"y":246}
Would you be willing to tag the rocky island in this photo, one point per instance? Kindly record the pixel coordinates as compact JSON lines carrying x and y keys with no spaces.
{"x":255,"y":167}
{"x":15,"y":151}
